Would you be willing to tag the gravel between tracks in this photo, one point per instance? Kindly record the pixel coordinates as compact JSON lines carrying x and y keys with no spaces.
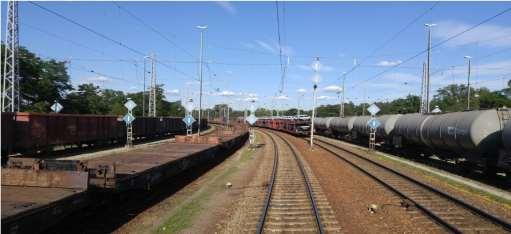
{"x":470,"y":195}
{"x":350,"y":193}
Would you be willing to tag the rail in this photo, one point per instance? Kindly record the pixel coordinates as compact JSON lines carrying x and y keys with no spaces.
{"x":309,"y":191}
{"x":445,"y":223}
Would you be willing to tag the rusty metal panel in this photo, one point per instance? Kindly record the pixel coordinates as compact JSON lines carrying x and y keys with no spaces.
{"x":8,"y":133}
{"x":33,"y":209}
{"x":142,"y":168}
{"x":45,"y":178}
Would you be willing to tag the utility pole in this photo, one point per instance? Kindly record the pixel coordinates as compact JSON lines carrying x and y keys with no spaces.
{"x":10,"y":77}
{"x":428,"y":67}
{"x":202,"y":30}
{"x":315,"y":81}
{"x":424,"y":87}
{"x":341,"y":114}
{"x":152,"y":91}
{"x":468,"y":82}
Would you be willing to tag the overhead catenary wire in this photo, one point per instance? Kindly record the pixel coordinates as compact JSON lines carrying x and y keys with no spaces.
{"x":435,"y":46}
{"x":153,"y":29}
{"x":99,"y":34}
{"x":282,"y":69}
{"x":392,"y":38}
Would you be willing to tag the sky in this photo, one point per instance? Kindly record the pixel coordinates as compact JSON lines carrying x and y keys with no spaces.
{"x":242,"y":50}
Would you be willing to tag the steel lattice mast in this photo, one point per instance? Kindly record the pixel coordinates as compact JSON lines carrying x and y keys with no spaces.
{"x":10,"y":76}
{"x":152,"y":92}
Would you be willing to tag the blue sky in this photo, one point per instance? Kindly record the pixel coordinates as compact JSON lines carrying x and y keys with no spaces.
{"x":242,"y":46}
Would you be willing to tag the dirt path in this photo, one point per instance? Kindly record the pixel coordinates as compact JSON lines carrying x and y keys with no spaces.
{"x":203,"y":205}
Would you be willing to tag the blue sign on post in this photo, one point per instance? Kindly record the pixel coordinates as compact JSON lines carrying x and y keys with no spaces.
{"x":373,"y":123}
{"x":189,"y":120}
{"x":128,"y":118}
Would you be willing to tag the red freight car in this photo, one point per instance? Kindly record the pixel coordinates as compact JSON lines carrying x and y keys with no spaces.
{"x":293,"y":125}
{"x":31,"y":132}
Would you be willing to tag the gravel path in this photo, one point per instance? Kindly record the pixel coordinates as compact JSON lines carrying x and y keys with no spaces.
{"x":351,"y":193}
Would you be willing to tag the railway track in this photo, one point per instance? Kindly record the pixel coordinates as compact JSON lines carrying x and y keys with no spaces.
{"x":451,"y":213}
{"x":294,"y":201}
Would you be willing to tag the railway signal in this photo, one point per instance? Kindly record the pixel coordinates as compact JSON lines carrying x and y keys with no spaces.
{"x":373,"y":124}
{"x":56,"y":107}
{"x":251,"y":119}
{"x":128,"y":119}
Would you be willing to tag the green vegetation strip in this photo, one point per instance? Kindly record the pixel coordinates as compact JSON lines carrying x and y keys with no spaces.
{"x":183,"y":216}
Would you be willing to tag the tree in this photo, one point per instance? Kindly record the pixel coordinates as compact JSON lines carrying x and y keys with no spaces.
{"x":88,"y":99}
{"x":42,"y":81}
{"x":454,"y":98}
{"x":488,"y":99}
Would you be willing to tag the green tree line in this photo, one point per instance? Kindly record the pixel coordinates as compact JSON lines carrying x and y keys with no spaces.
{"x":45,"y":81}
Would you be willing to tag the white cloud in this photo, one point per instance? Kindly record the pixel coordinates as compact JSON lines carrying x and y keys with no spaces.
{"x":227,"y":6}
{"x":487,"y":35}
{"x":227,"y":93}
{"x":274,"y":48}
{"x":99,"y":79}
{"x":333,"y":88}
{"x":488,"y":70}
{"x":385,"y":63}
{"x":282,"y":97}
{"x":322,"y":68}
{"x":302,"y":90}
{"x":323,"y":97}
{"x":266,"y":46}
{"x":250,"y":99}
{"x":173,"y":92}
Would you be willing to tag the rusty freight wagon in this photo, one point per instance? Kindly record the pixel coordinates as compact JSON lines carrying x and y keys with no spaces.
{"x":32,"y":133}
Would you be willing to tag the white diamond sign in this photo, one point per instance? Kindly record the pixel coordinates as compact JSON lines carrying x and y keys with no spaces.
{"x":188,"y":120}
{"x":128,"y":118}
{"x":373,"y":123}
{"x":251,"y":119}
{"x":56,"y":107}
{"x":373,"y":109}
{"x":130,"y":105}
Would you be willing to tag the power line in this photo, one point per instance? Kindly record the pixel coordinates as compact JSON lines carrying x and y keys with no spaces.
{"x":436,"y":45}
{"x":388,"y":41}
{"x":107,"y":38}
{"x":89,"y":29}
{"x":140,"y":20}
{"x":63,"y":39}
{"x":282,"y":69}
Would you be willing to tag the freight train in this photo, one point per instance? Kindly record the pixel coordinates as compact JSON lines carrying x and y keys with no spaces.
{"x":31,"y":133}
{"x":290,"y":124}
{"x":473,"y":139}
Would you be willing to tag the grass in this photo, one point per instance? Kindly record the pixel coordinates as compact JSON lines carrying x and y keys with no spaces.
{"x":184,"y":215}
